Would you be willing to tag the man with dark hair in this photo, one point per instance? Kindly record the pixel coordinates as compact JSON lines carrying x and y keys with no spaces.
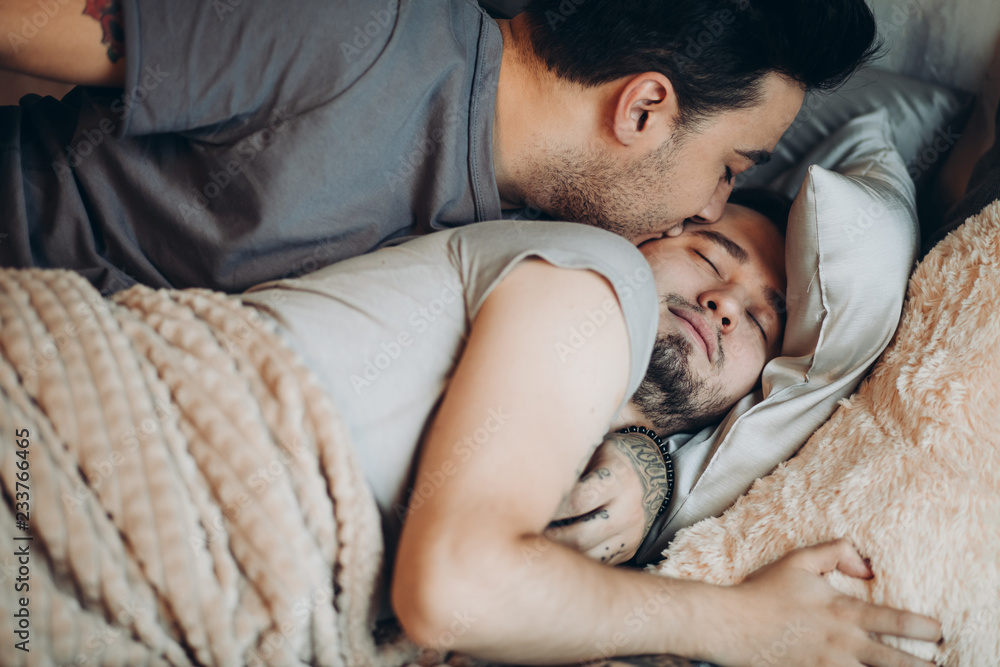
{"x":223,"y":144}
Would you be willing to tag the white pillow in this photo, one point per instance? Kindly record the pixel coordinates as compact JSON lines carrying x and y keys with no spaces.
{"x":850,"y":247}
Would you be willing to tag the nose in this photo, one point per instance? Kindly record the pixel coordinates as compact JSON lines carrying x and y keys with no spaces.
{"x":723,"y":306}
{"x":716,"y":205}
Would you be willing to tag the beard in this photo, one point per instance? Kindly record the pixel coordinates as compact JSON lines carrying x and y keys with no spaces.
{"x":670,"y":396}
{"x":592,"y":188}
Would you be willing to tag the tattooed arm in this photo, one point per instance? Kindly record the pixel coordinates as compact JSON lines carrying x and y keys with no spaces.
{"x":612,"y":507}
{"x":76,"y":41}
{"x":474,"y":554}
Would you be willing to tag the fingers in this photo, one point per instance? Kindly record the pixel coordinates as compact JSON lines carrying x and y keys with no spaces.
{"x":876,"y":654}
{"x":589,"y":494}
{"x":898,"y":623}
{"x":830,"y":556}
{"x":601,"y":535}
{"x":575,"y":534}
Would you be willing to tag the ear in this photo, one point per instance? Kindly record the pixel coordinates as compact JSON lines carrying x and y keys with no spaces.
{"x":647,"y":110}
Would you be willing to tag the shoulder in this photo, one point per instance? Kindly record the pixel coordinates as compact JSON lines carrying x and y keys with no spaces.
{"x":500,"y":244}
{"x":592,"y":268}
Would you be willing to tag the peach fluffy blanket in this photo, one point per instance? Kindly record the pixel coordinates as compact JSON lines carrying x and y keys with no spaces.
{"x":177,"y":487}
{"x":908,"y":468}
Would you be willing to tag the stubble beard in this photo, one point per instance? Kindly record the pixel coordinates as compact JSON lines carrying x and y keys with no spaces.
{"x":592,"y":188}
{"x":670,"y":396}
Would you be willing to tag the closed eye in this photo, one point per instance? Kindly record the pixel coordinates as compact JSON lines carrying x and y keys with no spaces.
{"x":709,"y":262}
{"x":755,"y":321}
{"x":757,"y":324}
{"x":729,"y":176}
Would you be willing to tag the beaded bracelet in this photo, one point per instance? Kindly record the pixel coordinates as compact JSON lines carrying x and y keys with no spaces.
{"x":667,"y":461}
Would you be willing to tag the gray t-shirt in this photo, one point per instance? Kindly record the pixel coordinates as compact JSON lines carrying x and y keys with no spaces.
{"x":384,"y":331}
{"x":256,"y":140}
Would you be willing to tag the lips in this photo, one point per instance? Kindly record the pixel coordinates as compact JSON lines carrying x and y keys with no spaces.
{"x":699,"y":330}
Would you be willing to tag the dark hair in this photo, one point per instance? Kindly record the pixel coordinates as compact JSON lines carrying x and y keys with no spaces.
{"x":715,"y":52}
{"x":772,"y":205}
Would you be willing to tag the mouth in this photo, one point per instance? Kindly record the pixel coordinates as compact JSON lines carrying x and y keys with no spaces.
{"x":698,"y":329}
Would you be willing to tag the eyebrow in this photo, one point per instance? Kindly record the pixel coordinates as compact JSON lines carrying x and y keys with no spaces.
{"x":734,"y":249}
{"x":757,"y":156}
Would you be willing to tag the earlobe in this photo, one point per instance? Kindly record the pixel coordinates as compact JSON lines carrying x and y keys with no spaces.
{"x":646,"y":110}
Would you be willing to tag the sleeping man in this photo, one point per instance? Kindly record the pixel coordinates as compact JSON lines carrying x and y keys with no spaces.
{"x":479,"y":368}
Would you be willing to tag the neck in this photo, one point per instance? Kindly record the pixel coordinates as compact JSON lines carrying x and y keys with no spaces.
{"x":535,"y":109}
{"x":630,"y":416}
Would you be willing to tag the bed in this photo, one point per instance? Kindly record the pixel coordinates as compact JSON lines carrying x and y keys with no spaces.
{"x":886,"y":133}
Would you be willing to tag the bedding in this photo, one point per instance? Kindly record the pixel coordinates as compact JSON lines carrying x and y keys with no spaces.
{"x":190,"y":494}
{"x":907,"y":469}
{"x":712,"y":465}
{"x":850,"y":247}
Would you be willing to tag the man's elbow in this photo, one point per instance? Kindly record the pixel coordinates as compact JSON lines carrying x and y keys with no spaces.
{"x":437,"y":598}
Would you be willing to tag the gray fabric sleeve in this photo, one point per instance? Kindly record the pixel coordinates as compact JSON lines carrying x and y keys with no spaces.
{"x":221,"y":69}
{"x":571,"y":246}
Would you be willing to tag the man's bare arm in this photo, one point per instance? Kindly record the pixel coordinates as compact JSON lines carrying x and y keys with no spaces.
{"x":74,"y":41}
{"x":475,"y":573}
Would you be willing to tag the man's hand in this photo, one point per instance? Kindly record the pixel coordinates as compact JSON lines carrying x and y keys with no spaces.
{"x":610,"y":510}
{"x":787,"y":603}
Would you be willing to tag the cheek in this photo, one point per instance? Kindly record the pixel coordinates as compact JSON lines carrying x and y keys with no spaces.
{"x":746,"y":361}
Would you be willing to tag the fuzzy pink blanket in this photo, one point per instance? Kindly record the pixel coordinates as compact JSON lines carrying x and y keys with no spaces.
{"x":908,"y":469}
{"x":180,"y":489}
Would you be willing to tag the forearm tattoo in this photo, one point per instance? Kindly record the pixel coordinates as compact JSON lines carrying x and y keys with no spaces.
{"x":109,"y":14}
{"x":644,"y":457}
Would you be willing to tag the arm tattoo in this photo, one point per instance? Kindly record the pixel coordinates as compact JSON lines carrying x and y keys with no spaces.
{"x":648,"y":465}
{"x":109,"y":14}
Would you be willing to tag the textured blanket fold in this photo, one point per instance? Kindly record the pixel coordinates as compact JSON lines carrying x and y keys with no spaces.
{"x":191,"y":496}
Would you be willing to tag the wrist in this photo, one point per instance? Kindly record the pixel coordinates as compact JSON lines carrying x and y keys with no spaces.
{"x":715,"y":622}
{"x":661,"y":447}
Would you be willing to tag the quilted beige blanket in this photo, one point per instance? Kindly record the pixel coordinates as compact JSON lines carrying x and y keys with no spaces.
{"x":176,"y":487}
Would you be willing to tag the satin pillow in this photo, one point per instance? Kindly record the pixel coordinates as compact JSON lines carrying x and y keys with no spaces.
{"x":851,"y":244}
